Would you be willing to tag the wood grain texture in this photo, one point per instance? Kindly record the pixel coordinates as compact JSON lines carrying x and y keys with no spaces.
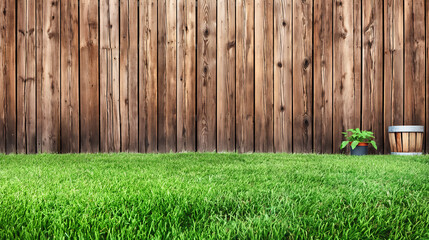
{"x":167,"y":123}
{"x":148,"y":76}
{"x":225,"y":76}
{"x":206,"y":76}
{"x":346,"y":75}
{"x":322,"y":123}
{"x":427,"y":79}
{"x":110,"y":127}
{"x":89,"y":77}
{"x":69,"y":76}
{"x":302,"y":76}
{"x":283,"y":76}
{"x":129,"y":75}
{"x":39,"y":71}
{"x":7,"y":76}
{"x":393,"y":66}
{"x":186,"y":74}
{"x":26,"y":76}
{"x":50,"y":100}
{"x":245,"y":65}
{"x":372,"y":81}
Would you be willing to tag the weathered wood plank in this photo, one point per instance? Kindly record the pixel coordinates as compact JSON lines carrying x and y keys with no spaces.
{"x":226,"y":76}
{"x":51,"y":77}
{"x":372,"y":81}
{"x":167,"y":123}
{"x":393,"y":66}
{"x":39,"y":71}
{"x":186,"y":74}
{"x":26,"y":76}
{"x":129,"y":75}
{"x":69,"y":76}
{"x":89,"y":76}
{"x":206,"y":76}
{"x":148,"y":76}
{"x":302,"y":76}
{"x":245,"y":65}
{"x":110,"y":128}
{"x":7,"y":76}
{"x":427,"y":79}
{"x":346,"y":75}
{"x":322,"y":124}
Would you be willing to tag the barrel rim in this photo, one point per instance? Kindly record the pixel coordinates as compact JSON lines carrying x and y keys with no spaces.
{"x":407,"y":128}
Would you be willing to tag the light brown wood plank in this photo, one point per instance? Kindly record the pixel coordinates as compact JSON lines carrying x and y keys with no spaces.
{"x":283,"y":76}
{"x":7,"y":76}
{"x":206,"y":76}
{"x":50,"y":100}
{"x":393,"y":65}
{"x":129,"y":75}
{"x":148,"y":76}
{"x":245,"y":65}
{"x":323,"y":76}
{"x":110,"y":127}
{"x":225,"y":76}
{"x":346,"y":72}
{"x":392,"y":141}
{"x":26,"y":76}
{"x":89,"y":77}
{"x":39,"y":72}
{"x":398,"y":137}
{"x":413,"y":138}
{"x":69,"y":76}
{"x":186,"y":74}
{"x":167,"y":123}
{"x":419,"y":142}
{"x":302,"y":76}
{"x":405,"y":142}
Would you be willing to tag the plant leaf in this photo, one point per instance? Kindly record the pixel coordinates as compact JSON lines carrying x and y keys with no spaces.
{"x":354,"y":144}
{"x":374,"y":144}
{"x":344,"y":144}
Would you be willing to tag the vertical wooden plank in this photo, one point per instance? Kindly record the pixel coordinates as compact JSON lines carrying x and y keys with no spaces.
{"x":283,"y":75}
{"x":414,"y":85}
{"x":226,"y":76}
{"x":129,"y":75}
{"x":264,"y":67}
{"x":89,"y":76}
{"x":427,"y":78}
{"x":206,"y":76}
{"x":322,"y":124}
{"x":69,"y":76}
{"x":167,"y":123}
{"x":148,"y":76}
{"x":26,"y":76}
{"x":245,"y":65}
{"x":372,"y":81}
{"x":393,"y":66}
{"x":346,"y":75}
{"x":39,"y":72}
{"x":7,"y":76}
{"x":302,"y":76}
{"x":110,"y":128}
{"x":186,"y":74}
{"x":50,"y":99}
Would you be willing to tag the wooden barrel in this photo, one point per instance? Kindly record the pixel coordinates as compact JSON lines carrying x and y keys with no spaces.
{"x":406,"y":140}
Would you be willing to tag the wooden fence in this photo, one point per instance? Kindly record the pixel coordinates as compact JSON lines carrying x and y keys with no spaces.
{"x":226,"y":75}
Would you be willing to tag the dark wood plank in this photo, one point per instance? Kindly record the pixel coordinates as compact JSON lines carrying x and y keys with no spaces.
{"x":225,"y":76}
{"x":69,"y":76}
{"x":89,"y":77}
{"x":39,"y":71}
{"x":26,"y":76}
{"x":110,"y":127}
{"x":186,"y":75}
{"x":427,"y":79}
{"x":346,"y":61}
{"x":148,"y":76}
{"x":129,"y":75}
{"x":393,"y":66}
{"x":322,"y":124}
{"x":414,"y":85}
{"x":206,"y":76}
{"x":302,"y":76}
{"x":167,"y":123}
{"x":372,"y":80}
{"x":7,"y":76}
{"x":51,"y":77}
{"x":245,"y":67}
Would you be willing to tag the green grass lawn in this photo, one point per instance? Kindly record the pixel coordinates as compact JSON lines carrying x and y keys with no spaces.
{"x":217,"y":196}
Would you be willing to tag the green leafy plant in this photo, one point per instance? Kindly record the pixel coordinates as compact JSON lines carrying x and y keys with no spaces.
{"x":357,"y":136}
